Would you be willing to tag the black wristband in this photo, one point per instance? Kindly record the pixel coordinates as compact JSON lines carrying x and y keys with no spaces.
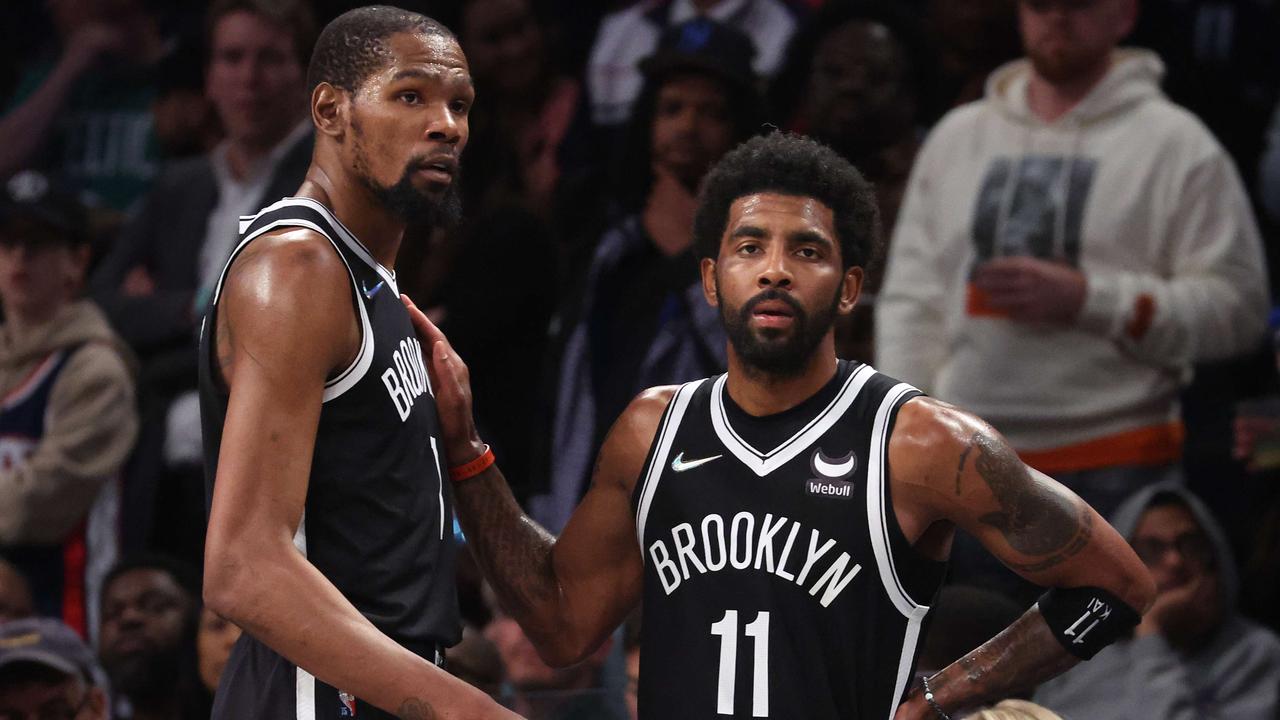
{"x":1086,"y":619}
{"x":928,"y":697}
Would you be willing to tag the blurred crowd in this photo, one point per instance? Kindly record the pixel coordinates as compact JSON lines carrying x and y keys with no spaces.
{"x":1080,"y":257}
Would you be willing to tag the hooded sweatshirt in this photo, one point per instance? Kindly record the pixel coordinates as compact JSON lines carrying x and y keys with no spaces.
{"x":1234,"y":676}
{"x":1127,"y":187}
{"x":49,"y":483}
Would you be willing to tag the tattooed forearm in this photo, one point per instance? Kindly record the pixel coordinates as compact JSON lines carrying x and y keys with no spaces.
{"x":512,"y":550}
{"x":1034,"y":518}
{"x":1016,"y":660}
{"x":415,"y":709}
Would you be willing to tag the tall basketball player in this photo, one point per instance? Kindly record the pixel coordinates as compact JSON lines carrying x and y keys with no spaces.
{"x":330,"y":529}
{"x":787,"y":524}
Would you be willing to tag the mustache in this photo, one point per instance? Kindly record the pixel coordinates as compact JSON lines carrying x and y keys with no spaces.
{"x":773,"y":294}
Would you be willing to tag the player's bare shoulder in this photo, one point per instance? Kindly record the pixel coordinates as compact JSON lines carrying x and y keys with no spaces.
{"x":287,"y":292}
{"x":621,"y":458}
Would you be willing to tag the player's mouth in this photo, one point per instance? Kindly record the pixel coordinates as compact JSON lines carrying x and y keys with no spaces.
{"x":440,"y":169}
{"x":773,"y":314}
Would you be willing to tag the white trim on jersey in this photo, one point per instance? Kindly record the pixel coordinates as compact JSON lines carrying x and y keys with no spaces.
{"x":666,"y":437}
{"x":335,"y":387}
{"x":304,"y":695}
{"x":878,"y":525}
{"x":877,"y":522}
{"x":352,"y":242}
{"x":764,"y":463}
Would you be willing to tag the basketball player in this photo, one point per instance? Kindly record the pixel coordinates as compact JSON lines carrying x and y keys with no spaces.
{"x":330,"y":531}
{"x":794,"y":516}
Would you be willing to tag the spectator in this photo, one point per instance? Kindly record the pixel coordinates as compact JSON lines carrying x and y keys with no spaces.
{"x":641,"y":319}
{"x":214,"y":640}
{"x":1013,"y":710}
{"x":184,"y":120}
{"x":15,"y":594}
{"x":156,"y":281}
{"x":47,"y":671}
{"x":86,"y":115}
{"x":971,"y":38}
{"x":545,"y":693}
{"x":1107,"y":246}
{"x":150,"y":611}
{"x":475,"y":660}
{"x":614,"y":79}
{"x":1193,"y":655}
{"x":853,"y":77}
{"x":527,"y":108}
{"x":68,"y":419}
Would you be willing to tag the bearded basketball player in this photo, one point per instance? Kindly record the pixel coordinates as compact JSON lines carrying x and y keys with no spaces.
{"x":787,"y":524}
{"x":331,"y":528}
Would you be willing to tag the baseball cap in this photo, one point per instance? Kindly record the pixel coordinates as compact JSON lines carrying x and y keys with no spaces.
{"x":703,"y":45}
{"x":48,"y":642}
{"x":35,"y":209}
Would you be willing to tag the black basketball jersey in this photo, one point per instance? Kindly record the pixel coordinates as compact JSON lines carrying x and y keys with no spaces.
{"x":378,"y":519}
{"x":777,"y":581}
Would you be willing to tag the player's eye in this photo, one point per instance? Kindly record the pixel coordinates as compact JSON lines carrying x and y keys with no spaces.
{"x":461,"y":107}
{"x":409,"y":97}
{"x":808,"y":252}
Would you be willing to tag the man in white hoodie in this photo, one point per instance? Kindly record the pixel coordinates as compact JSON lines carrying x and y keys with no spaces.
{"x":1068,"y":246}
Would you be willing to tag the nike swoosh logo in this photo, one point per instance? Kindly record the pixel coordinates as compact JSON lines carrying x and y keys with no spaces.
{"x":679,"y":464}
{"x":370,"y":293}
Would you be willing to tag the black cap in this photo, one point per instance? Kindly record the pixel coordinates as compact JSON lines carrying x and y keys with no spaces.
{"x":703,"y":45}
{"x":47,"y":642}
{"x":34,"y":209}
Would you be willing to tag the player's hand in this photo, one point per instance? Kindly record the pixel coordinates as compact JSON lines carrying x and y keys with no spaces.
{"x":1031,"y":290}
{"x":452,"y":383}
{"x":914,"y":708}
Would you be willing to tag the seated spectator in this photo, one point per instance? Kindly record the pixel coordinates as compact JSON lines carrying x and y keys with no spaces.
{"x":971,"y":38}
{"x":156,"y":281}
{"x":84,"y":115}
{"x":46,"y":671}
{"x":68,"y":418}
{"x":614,"y":79}
{"x":542,"y":692}
{"x":640,"y":319}
{"x":1193,"y":655}
{"x":15,"y":594}
{"x":475,"y":660}
{"x":214,"y":640}
{"x":150,"y":612}
{"x":1013,"y":710}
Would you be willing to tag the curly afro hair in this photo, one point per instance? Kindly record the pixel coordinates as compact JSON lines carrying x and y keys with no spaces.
{"x":790,"y":164}
{"x":354,"y":45}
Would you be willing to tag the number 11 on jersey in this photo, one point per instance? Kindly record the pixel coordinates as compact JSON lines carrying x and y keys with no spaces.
{"x":758,"y":630}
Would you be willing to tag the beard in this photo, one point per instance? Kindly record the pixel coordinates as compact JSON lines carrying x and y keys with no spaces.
{"x":406,"y":201}
{"x":1064,"y":66}
{"x":773,"y":352}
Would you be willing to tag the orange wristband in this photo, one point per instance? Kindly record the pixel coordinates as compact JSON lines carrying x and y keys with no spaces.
{"x":458,"y":473}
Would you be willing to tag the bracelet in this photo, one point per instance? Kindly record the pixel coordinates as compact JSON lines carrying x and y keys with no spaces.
{"x":458,"y":473}
{"x":928,"y":697}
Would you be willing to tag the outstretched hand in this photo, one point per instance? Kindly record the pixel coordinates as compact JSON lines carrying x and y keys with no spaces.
{"x":452,"y":382}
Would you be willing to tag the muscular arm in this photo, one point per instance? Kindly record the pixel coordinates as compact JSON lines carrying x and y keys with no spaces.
{"x":284,"y":323}
{"x":569,"y":593}
{"x":949,"y":468}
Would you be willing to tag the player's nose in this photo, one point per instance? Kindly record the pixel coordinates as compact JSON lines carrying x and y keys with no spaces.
{"x":445,"y":126}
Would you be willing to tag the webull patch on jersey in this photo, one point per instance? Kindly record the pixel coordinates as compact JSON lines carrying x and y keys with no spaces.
{"x":837,"y":489}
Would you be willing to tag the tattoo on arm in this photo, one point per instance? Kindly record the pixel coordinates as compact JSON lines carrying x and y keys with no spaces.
{"x":1034,"y":520}
{"x":960,"y":466}
{"x":1019,"y":658}
{"x":415,"y":709}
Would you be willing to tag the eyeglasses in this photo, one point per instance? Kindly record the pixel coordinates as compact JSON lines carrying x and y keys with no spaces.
{"x":57,"y":709}
{"x":1193,"y":547}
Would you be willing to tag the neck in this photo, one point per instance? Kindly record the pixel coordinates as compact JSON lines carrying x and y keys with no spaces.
{"x":376,"y":227}
{"x":1050,"y":100}
{"x":24,"y":320}
{"x":243,"y":153}
{"x":759,"y":393}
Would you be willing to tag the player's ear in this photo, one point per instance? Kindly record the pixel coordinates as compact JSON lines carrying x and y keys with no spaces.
{"x":850,"y":288}
{"x":708,"y":269}
{"x":329,"y":109}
